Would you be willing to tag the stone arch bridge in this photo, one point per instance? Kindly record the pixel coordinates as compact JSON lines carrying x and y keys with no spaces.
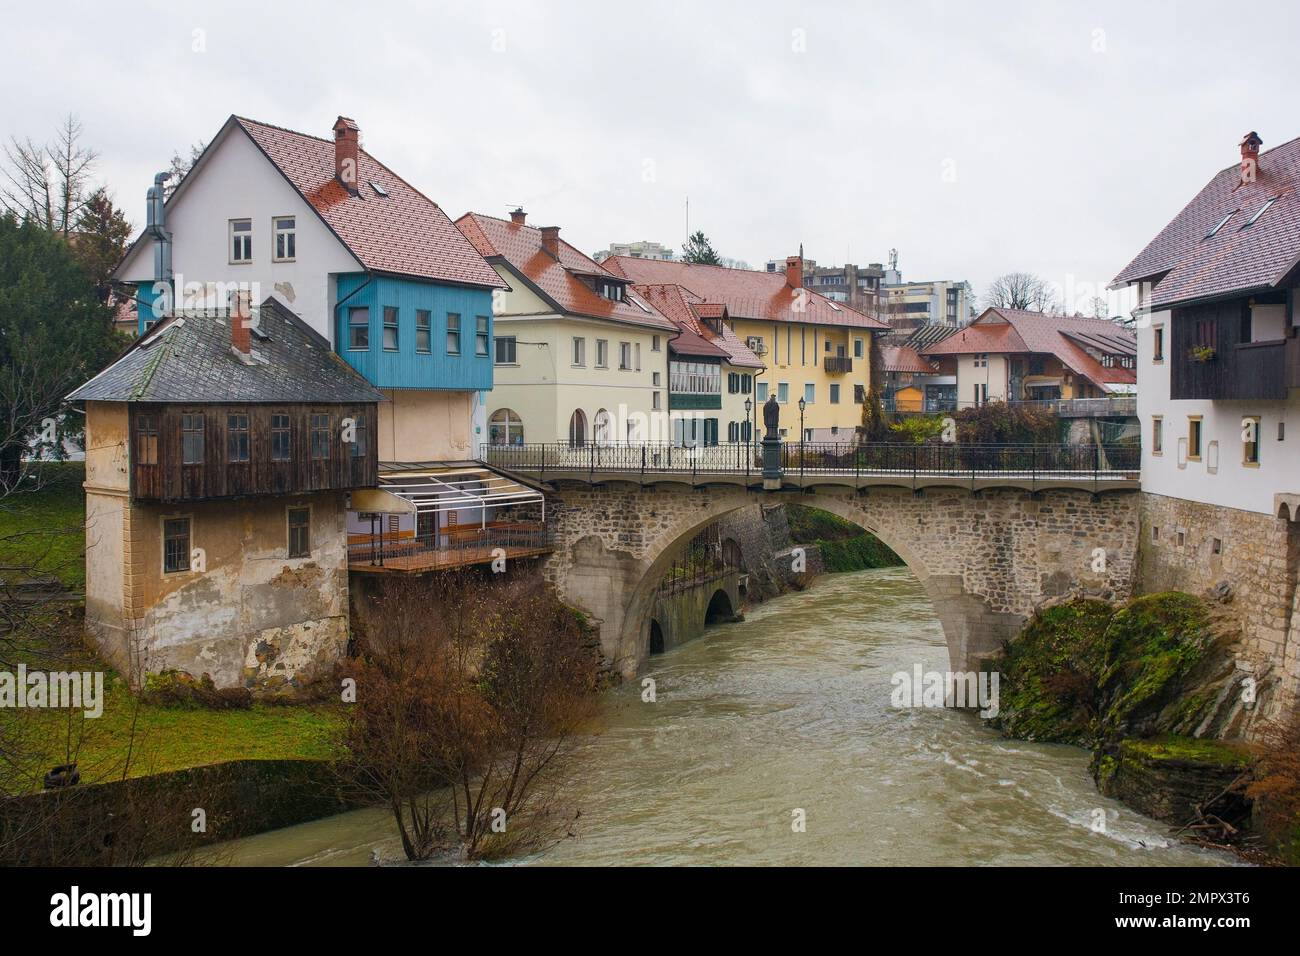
{"x":989,"y":546}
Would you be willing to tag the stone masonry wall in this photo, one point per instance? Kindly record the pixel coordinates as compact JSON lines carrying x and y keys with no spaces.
{"x":1190,"y":546}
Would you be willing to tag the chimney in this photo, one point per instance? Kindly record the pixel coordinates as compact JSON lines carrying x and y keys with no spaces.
{"x":551,"y":241}
{"x":794,"y":271}
{"x":241,"y":318}
{"x":518,"y":216}
{"x":347,"y":147}
{"x":1250,"y":144}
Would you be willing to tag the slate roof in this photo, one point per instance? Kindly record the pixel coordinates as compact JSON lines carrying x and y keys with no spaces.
{"x":188,"y":359}
{"x":556,"y":280}
{"x":1063,"y":336}
{"x":747,"y":293}
{"x":1194,"y":265}
{"x":688,"y":311}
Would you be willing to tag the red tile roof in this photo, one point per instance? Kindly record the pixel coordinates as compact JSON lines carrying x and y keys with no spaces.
{"x":1012,"y":331}
{"x":403,"y":233}
{"x":1234,"y":259}
{"x":903,"y":358}
{"x":557,"y":280}
{"x":688,"y":311}
{"x":747,"y":293}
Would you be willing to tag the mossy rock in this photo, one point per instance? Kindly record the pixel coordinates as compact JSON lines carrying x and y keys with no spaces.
{"x":1159,"y":674}
{"x":1050,"y":674}
{"x":1171,"y":777}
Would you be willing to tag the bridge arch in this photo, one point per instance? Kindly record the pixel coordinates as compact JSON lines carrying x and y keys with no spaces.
{"x":986,"y":559}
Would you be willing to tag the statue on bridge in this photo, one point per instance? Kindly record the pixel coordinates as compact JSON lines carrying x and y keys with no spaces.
{"x":771,"y":417}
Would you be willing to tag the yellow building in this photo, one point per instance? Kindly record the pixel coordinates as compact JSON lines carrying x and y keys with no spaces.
{"x":811,"y":348}
{"x":578,"y":356}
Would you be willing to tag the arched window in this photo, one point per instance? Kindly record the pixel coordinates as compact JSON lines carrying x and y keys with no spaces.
{"x":578,"y":428}
{"x":505,"y":427}
{"x":604,"y":432}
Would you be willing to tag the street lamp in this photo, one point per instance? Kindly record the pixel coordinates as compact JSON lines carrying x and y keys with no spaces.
{"x":802,"y":405}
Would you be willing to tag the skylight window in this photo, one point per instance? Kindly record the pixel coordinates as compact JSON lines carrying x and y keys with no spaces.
{"x":1262,"y":209}
{"x":832,"y":305}
{"x":1222,"y":222}
{"x":378,"y":188}
{"x":638,"y":303}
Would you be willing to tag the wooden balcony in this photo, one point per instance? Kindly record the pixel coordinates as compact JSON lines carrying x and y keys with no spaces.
{"x":455,"y":547}
{"x":1209,"y":359}
{"x":837,"y":364}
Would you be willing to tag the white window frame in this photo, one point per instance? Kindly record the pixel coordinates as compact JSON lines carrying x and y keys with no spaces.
{"x":579,"y":352}
{"x":244,"y":234}
{"x":291,"y":238}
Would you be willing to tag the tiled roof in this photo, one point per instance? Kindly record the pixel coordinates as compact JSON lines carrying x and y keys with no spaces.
{"x":1063,"y":336}
{"x":1233,"y":259}
{"x":747,"y":293}
{"x":189,"y":359}
{"x":403,"y":232}
{"x":904,"y":358}
{"x":688,"y":311}
{"x":557,"y":280}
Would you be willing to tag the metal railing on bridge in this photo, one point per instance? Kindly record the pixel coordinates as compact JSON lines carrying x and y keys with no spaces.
{"x":844,"y":459}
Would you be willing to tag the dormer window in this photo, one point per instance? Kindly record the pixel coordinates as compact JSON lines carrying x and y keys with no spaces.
{"x":610,"y":290}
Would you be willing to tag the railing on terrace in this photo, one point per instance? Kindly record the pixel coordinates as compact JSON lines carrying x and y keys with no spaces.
{"x":838,"y":458}
{"x":466,"y":544}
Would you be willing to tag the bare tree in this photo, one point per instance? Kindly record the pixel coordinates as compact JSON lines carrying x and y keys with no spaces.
{"x":1021,"y":290}
{"x":464,"y":718}
{"x":48,"y":184}
{"x":181,"y":166}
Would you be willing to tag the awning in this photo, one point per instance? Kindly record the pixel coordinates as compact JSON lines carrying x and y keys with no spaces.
{"x":442,"y":489}
{"x":1119,"y":388}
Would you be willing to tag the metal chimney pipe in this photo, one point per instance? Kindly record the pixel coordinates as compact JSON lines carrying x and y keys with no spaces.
{"x":156,"y":227}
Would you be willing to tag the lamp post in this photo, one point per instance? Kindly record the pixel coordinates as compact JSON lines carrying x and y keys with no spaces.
{"x":749,"y":436}
{"x":802,"y":405}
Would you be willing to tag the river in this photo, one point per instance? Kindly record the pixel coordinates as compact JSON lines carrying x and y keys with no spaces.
{"x":790,"y":710}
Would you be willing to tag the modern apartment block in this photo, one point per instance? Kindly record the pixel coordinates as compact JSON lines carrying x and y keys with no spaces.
{"x":636,"y":250}
{"x":1218,"y":369}
{"x":856,"y":286}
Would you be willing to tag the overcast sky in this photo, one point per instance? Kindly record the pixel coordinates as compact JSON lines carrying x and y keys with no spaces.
{"x":975,"y":138}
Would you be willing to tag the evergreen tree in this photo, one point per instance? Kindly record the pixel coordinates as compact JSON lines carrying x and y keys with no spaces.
{"x":700,"y":251}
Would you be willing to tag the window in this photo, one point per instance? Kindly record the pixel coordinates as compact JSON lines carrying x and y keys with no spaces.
{"x":579,"y":351}
{"x":1216,"y":546}
{"x":390,"y":328}
{"x":1157,"y":343}
{"x":192,"y":439}
{"x":506,"y":354}
{"x":505,"y":427}
{"x":981,"y":395}
{"x":176,"y":545}
{"x":578,"y":428}
{"x":146,"y":440}
{"x":610,"y":290}
{"x":281,"y":446}
{"x":1262,"y":209}
{"x":453,"y":333}
{"x":857,"y":348}
{"x":625,"y":355}
{"x":810,"y":393}
{"x":1250,"y":426}
{"x":859,"y":395}
{"x":733,"y":383}
{"x":320,"y":437}
{"x":359,"y":328}
{"x":1194,"y":438}
{"x":299,"y":532}
{"x":602,"y":427}
{"x":654,"y":343}
{"x":286,"y":238}
{"x":423,"y":331}
{"x":638,"y":356}
{"x":783,"y":392}
{"x":654,"y":400}
{"x":602,"y":353}
{"x":835,"y":394}
{"x":359,"y":435}
{"x":1157,"y":435}
{"x":760,"y":391}
{"x":655,"y":379}
{"x":236,"y":438}
{"x":982,"y":360}
{"x":481,"y":335}
{"x":241,"y":241}
{"x":1155,"y":532}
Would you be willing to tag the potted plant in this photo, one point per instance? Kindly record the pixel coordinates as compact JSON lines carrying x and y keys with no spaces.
{"x":1201,"y":353}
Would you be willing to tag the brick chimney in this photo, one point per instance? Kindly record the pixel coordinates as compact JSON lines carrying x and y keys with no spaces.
{"x":1250,"y":144}
{"x":241,"y":317}
{"x":551,"y":241}
{"x":518,"y":216}
{"x":347,"y":147}
{"x":794,"y":271}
